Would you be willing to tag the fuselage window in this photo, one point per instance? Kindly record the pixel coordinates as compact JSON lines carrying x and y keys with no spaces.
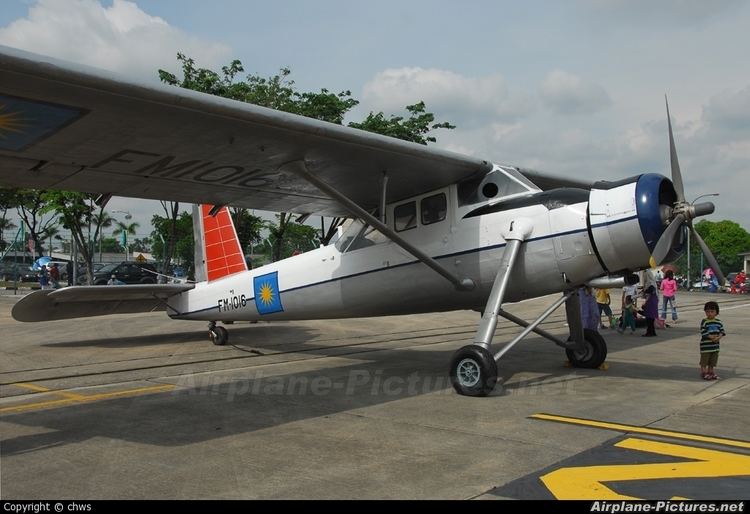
{"x":434,"y":208}
{"x":405,"y":216}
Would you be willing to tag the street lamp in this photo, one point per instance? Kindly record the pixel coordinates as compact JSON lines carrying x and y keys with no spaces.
{"x":690,"y":284}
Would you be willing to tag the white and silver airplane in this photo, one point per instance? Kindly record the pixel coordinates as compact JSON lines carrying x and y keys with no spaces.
{"x":431,"y":230}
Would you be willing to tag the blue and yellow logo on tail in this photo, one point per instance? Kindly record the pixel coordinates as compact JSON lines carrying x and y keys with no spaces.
{"x":267,"y":296}
{"x":25,"y":122}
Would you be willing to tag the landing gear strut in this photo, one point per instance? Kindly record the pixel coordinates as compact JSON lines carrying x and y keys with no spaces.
{"x":219,"y":335}
{"x":473,"y":369}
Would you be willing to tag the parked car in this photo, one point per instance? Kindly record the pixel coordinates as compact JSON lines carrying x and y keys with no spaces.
{"x":126,"y":272}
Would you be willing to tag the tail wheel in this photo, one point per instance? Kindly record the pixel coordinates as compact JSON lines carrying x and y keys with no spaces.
{"x":593,"y":353}
{"x":219,"y":336}
{"x":473,"y":371}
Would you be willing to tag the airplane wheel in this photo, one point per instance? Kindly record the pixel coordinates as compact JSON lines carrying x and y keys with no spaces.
{"x":473,"y":371}
{"x":219,"y":336}
{"x":593,"y":354}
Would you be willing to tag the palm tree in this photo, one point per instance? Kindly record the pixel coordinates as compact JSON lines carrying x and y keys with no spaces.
{"x":102,"y":220}
{"x":125,"y":229}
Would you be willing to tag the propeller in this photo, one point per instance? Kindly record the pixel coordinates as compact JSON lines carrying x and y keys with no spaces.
{"x":682,"y":213}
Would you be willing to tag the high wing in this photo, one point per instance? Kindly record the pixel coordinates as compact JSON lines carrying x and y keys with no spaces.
{"x":69,"y":127}
{"x":76,"y":302}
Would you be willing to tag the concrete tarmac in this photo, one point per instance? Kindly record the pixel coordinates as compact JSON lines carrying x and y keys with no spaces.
{"x":143,"y":407}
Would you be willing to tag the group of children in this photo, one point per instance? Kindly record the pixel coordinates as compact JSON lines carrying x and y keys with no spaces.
{"x":712,"y":329}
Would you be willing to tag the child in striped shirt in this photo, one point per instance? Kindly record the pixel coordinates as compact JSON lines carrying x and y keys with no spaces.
{"x":712,"y":330}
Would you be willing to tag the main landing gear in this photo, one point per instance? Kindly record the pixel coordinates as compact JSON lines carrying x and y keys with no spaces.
{"x":219,"y":335}
{"x":473,"y":368}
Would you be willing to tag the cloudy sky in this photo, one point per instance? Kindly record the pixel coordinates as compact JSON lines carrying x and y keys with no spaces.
{"x":571,"y":87}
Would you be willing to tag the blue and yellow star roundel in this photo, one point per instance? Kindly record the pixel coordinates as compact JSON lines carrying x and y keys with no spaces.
{"x":25,"y":122}
{"x":267,"y":296}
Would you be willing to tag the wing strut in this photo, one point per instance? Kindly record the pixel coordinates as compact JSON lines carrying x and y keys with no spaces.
{"x":298,"y":167}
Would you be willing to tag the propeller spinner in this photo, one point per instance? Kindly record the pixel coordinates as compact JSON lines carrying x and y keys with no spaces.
{"x":682,"y":213}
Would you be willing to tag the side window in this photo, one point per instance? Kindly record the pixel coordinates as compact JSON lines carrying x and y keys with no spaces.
{"x":405,"y":216}
{"x":434,"y":208}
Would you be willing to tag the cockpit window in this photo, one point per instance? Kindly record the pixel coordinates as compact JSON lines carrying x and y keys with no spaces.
{"x":405,"y":216}
{"x":359,"y":235}
{"x":496,"y":184}
{"x":434,"y":208}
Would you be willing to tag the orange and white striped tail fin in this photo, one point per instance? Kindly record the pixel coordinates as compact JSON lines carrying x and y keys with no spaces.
{"x":222,"y":253}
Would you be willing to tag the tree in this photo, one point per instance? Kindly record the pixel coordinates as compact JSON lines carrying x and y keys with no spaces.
{"x":184,"y":241}
{"x":31,"y":207}
{"x":7,"y":201}
{"x":77,"y":213}
{"x":295,"y":237}
{"x":171,"y":209}
{"x":726,"y":239}
{"x":102,"y":220}
{"x":248,"y":227}
{"x":123,"y":230}
{"x":142,"y":244}
{"x":414,"y":129}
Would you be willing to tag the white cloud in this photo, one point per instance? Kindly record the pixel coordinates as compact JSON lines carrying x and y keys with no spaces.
{"x":566,"y":93}
{"x":456,"y":98}
{"x":120,"y":38}
{"x":727,"y":116}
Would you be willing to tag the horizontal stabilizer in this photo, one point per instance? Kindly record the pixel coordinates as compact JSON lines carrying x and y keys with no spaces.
{"x":86,"y":301}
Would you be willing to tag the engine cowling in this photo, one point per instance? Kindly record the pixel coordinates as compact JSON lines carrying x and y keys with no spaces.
{"x":626,"y":219}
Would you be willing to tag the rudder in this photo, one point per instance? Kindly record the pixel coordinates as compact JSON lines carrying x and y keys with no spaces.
{"x":220,"y":247}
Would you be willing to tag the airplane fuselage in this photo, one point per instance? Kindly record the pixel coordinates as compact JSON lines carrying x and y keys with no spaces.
{"x":369,"y":275}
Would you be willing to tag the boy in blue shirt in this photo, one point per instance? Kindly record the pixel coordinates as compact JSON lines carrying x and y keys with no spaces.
{"x":712,"y":330}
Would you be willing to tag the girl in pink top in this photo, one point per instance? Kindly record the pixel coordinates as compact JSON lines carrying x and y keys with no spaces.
{"x":668,"y":289}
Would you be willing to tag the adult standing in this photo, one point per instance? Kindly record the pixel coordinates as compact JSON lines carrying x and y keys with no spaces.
{"x":589,"y":311}
{"x":43,"y":277}
{"x":69,"y":271}
{"x":603,"y":300}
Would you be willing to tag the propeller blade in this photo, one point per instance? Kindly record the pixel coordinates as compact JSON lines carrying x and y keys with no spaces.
{"x":676,"y":175}
{"x":708,"y":255}
{"x":666,"y":241}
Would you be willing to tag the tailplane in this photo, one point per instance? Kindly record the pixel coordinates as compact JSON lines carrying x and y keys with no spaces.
{"x":217,"y":248}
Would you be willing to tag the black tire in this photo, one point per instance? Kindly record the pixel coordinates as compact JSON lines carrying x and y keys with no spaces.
{"x":593,"y":354}
{"x":219,"y":336}
{"x":473,"y":371}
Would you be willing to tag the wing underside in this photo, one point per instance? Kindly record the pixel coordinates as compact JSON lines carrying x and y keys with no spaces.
{"x":86,"y":301}
{"x":74,"y":128}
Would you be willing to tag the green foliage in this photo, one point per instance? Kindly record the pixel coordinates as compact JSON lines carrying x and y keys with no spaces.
{"x":295,"y":237}
{"x":248,"y":227}
{"x":726,"y":239}
{"x":414,"y":129}
{"x":276,"y":92}
{"x":184,"y":243}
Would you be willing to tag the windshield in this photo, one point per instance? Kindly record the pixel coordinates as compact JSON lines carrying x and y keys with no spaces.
{"x":107,"y":268}
{"x":358,"y":235}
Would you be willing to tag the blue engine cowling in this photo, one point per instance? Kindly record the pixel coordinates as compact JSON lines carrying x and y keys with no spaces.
{"x":626,"y":219}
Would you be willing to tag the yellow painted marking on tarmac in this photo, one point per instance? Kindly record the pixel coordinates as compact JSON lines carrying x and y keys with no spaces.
{"x":587,"y":482}
{"x":33,"y":387}
{"x":643,"y":430}
{"x":75,"y":399}
{"x":41,"y":389}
